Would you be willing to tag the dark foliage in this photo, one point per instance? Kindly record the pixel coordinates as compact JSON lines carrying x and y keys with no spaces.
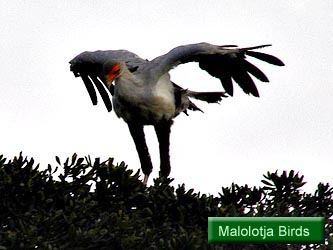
{"x":97,"y":205}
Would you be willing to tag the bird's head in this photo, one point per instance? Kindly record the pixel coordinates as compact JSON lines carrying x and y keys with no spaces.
{"x":111,"y":71}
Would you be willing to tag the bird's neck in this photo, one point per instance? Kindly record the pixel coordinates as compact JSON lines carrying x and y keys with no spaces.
{"x":127,"y":78}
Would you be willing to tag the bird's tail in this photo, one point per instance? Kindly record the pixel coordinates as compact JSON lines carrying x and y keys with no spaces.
{"x":210,"y":97}
{"x":183,"y":102}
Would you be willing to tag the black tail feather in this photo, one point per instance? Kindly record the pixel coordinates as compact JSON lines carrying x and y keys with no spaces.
{"x":210,"y":97}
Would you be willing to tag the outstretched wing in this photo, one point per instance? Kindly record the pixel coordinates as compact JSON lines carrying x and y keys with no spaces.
{"x":228,"y":63}
{"x":89,"y":66}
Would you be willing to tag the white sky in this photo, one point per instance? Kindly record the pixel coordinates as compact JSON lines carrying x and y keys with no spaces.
{"x":45,"y":111}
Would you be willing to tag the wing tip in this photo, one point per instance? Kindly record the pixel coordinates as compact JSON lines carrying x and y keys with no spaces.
{"x":256,"y":47}
{"x":265,"y":57}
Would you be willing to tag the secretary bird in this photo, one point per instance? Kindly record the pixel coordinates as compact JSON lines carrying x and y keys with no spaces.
{"x":143,"y":94}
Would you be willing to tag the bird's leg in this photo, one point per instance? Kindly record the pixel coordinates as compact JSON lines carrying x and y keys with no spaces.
{"x":138,"y":136}
{"x":145,"y":179}
{"x":163,"y":129}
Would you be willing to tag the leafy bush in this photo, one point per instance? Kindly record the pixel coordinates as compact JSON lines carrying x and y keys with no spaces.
{"x":99,"y":205}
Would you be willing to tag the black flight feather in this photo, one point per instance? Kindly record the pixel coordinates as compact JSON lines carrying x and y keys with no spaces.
{"x":227,"y":84}
{"x":245,"y":81}
{"x":253,"y":70}
{"x":265,"y":57}
{"x":90,"y":88}
{"x":103,"y":93}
